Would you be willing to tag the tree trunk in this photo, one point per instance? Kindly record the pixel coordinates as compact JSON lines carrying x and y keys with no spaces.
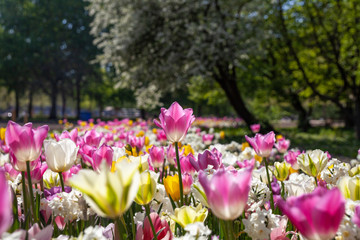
{"x":303,"y":122}
{"x":53,"y":96}
{"x":17,"y":104}
{"x":78,"y":97}
{"x":63,"y":107}
{"x":30,"y":106}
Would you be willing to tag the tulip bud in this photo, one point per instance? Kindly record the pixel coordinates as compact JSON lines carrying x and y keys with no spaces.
{"x":312,"y":162}
{"x":188,"y":215}
{"x":60,"y":156}
{"x":171,"y":184}
{"x":282,"y":170}
{"x":147,"y":188}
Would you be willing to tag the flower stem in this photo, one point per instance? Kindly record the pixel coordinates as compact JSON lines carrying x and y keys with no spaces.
{"x":31,"y":191}
{"x":24,"y":194}
{"x":269,"y":184}
{"x":230,"y":232}
{"x":282,"y":189}
{"x":118,"y":232}
{"x":147,"y":208}
{"x":132,"y":223}
{"x":179,"y":173}
{"x":316,"y":182}
{"x":62,"y":181}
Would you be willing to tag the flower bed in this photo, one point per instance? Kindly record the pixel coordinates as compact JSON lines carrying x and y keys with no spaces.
{"x":129,"y":180}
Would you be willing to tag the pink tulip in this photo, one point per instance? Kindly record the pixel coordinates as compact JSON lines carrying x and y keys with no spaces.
{"x":157,"y":156}
{"x":262,"y":144}
{"x":187,"y":181}
{"x":255,"y":128}
{"x":291,"y":157}
{"x":207,"y":158}
{"x":316,"y":215}
{"x":171,"y":154}
{"x":161,"y":136}
{"x":5,"y":204}
{"x":137,"y":142}
{"x":93,"y":138}
{"x":73,"y":170}
{"x":73,"y":135}
{"x":145,"y":233}
{"x":86,"y":152}
{"x":280,"y":233}
{"x":282,"y":145}
{"x":104,"y":153}
{"x":38,"y":172}
{"x":21,"y":166}
{"x":356,"y":217}
{"x":185,"y":164}
{"x":11,"y":172}
{"x":227,"y":192}
{"x":246,"y":163}
{"x":207,"y":138}
{"x":24,"y":141}
{"x":175,"y":121}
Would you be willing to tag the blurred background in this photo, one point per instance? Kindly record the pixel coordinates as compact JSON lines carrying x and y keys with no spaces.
{"x":290,"y":65}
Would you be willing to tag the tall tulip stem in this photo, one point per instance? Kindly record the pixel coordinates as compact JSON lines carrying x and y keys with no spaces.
{"x":269,"y":184}
{"x":31,"y":190}
{"x":179,"y":173}
{"x":147,"y":208}
{"x":24,"y":193}
{"x":62,"y":182}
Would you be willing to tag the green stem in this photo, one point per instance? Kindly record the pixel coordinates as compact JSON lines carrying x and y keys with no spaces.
{"x":132,"y":223}
{"x":316,"y":182}
{"x":147,"y":208}
{"x":118,"y":232}
{"x":230,"y":232}
{"x":62,"y":181}
{"x":179,"y":172}
{"x":24,"y":195}
{"x":282,"y":189}
{"x":31,"y":191}
{"x":269,"y":184}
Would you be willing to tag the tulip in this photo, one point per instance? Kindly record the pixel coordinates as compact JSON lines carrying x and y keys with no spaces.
{"x":25,"y":142}
{"x":350,"y":187}
{"x":145,"y":233}
{"x":175,"y":121}
{"x":161,"y":136}
{"x":262,"y":144}
{"x":282,"y":170}
{"x":291,"y":157}
{"x":102,"y":154}
{"x":69,"y":173}
{"x":207,"y":138}
{"x":187,"y":182}
{"x":255,"y":128}
{"x":171,"y":184}
{"x":93,"y":138}
{"x":354,"y":171}
{"x":21,"y":166}
{"x":317,"y":215}
{"x":227,"y":192}
{"x":5,"y":204}
{"x":186,"y":166}
{"x":157,"y":156}
{"x":282,"y":145}
{"x":109,"y":194}
{"x":356,"y":217}
{"x":60,"y":156}
{"x":2,"y":134}
{"x":137,"y":142}
{"x":207,"y":158}
{"x":73,"y":135}
{"x":312,"y":162}
{"x":188,"y":215}
{"x":38,"y":172}
{"x":170,"y":154}
{"x":10,"y":172}
{"x":246,"y":163}
{"x":147,"y":188}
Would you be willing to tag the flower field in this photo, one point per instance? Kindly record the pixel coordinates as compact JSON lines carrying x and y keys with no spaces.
{"x":172,"y":178}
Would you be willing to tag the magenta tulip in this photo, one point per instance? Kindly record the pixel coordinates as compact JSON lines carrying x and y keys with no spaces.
{"x":156,"y":156}
{"x":38,"y":172}
{"x":262,"y":144}
{"x":227,"y":192}
{"x":207,"y":158}
{"x":69,"y":173}
{"x":291,"y":157}
{"x":282,"y":145}
{"x":93,"y":138}
{"x":5,"y":204}
{"x":11,"y":172}
{"x":21,"y":166}
{"x":175,"y":121}
{"x":255,"y":128}
{"x":24,"y":141}
{"x":104,"y":153}
{"x":356,"y":217}
{"x":73,"y":135}
{"x":145,"y":232}
{"x":185,"y":164}
{"x":317,"y":215}
{"x":187,"y":181}
{"x":207,"y":138}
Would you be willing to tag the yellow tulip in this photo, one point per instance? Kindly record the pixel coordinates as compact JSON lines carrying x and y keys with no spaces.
{"x":140,"y":134}
{"x":222,"y":135}
{"x":154,"y":130}
{"x":2,"y":133}
{"x":146,"y":141}
{"x":108,"y":194}
{"x":188,"y":215}
{"x":244,"y":145}
{"x":187,"y":150}
{"x":147,"y":188}
{"x":258,"y":158}
{"x":171,"y":184}
{"x":282,"y":170}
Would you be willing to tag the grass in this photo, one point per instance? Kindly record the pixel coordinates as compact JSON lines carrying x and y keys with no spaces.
{"x":340,"y":143}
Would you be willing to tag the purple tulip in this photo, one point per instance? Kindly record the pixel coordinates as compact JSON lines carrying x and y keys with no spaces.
{"x":156,"y":156}
{"x":227,"y":192}
{"x":175,"y":121}
{"x":316,"y":215}
{"x":356,"y":217}
{"x":185,"y":164}
{"x":5,"y":204}
{"x":262,"y":144}
{"x":137,"y":142}
{"x":255,"y":128}
{"x":25,"y":142}
{"x":282,"y":145}
{"x":93,"y":138}
{"x":206,"y":158}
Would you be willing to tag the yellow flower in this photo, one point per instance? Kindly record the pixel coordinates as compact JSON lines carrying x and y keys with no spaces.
{"x":293,"y":170}
{"x":147,"y":141}
{"x":106,"y":127}
{"x":282,"y":170}
{"x":222,"y":135}
{"x":147,"y":188}
{"x":244,"y":145}
{"x":60,"y":122}
{"x":108,"y":194}
{"x":278,"y":137}
{"x":258,"y":158}
{"x":187,"y":150}
{"x":188,"y":215}
{"x":2,"y":133}
{"x":141,"y":161}
{"x":171,"y":184}
{"x":140,"y":134}
{"x":130,"y":123}
{"x":154,"y":130}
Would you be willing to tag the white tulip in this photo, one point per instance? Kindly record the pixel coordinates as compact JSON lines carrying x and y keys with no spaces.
{"x":60,"y":156}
